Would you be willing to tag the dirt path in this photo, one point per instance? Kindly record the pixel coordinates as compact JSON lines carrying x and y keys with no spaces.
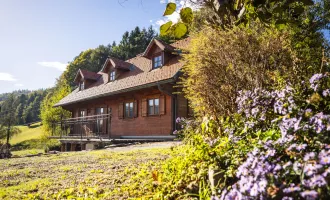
{"x":143,"y":146}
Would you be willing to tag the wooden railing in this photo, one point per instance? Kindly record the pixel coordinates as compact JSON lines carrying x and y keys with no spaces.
{"x":95,"y":126}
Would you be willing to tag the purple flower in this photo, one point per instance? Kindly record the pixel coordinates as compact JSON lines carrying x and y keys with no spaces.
{"x":301,"y":147}
{"x":309,"y":194}
{"x":314,"y":81}
{"x":309,"y":156}
{"x":311,"y":169}
{"x":175,"y":132}
{"x":291,"y":189}
{"x":326,"y":92}
{"x":324,"y":160}
{"x":316,"y":181}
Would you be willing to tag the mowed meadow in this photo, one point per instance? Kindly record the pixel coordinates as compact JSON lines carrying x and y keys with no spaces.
{"x":100,"y":174}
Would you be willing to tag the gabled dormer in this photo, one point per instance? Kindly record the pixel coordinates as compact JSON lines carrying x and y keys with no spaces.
{"x":85,"y":78}
{"x":114,"y":68}
{"x":158,"y":52}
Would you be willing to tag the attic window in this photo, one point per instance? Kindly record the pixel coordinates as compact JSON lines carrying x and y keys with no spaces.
{"x":81,"y":85}
{"x":112,"y":75}
{"x":157,"y":61}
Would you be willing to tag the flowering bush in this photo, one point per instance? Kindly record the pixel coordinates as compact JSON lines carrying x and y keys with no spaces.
{"x":296,"y":164}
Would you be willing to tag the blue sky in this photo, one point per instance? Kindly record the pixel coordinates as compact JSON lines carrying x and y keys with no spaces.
{"x":39,"y":37}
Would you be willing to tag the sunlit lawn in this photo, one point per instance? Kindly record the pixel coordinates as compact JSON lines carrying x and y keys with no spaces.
{"x":34,"y":132}
{"x":96,"y":174}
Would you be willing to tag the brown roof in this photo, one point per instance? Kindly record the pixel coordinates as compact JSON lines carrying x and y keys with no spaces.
{"x":141,"y":76}
{"x":116,"y":63}
{"x":87,"y":75}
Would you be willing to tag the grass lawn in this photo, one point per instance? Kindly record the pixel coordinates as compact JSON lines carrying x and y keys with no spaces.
{"x":34,"y":132}
{"x":101,"y":174}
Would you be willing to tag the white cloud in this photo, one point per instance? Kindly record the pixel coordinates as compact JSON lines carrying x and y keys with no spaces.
{"x":57,"y":65}
{"x":19,"y":85}
{"x":6,"y":77}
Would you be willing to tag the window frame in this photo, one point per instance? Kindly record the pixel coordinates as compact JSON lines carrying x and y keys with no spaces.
{"x":154,"y":113}
{"x":160,"y":61}
{"x":130,"y":112}
{"x":99,"y":120}
{"x":112,"y":75}
{"x":81,"y":85}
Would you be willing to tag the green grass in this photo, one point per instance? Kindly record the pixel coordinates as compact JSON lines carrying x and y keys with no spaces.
{"x":34,"y":132}
{"x":101,"y":174}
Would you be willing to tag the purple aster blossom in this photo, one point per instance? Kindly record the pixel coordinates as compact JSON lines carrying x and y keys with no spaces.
{"x":291,"y":189}
{"x":309,"y":156}
{"x":301,"y":147}
{"x":179,"y":120}
{"x":326,"y":92}
{"x":324,"y":160}
{"x":311,"y":169}
{"x":309,"y":194}
{"x":326,"y":172}
{"x":254,"y":111}
{"x":233,"y":194}
{"x":287,"y":198}
{"x":175,"y":132}
{"x":262,"y":185}
{"x":314,"y":81}
{"x":317,"y":181}
{"x":254,"y":190}
{"x":277,"y":167}
{"x":270,"y":152}
{"x":317,"y":121}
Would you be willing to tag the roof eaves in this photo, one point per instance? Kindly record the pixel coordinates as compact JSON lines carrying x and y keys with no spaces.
{"x":120,"y":91}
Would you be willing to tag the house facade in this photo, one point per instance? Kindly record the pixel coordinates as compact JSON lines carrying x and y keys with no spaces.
{"x":132,"y":99}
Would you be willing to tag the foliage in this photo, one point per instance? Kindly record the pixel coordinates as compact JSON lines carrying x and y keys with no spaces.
{"x":49,"y":113}
{"x":220,"y":63}
{"x":8,"y":118}
{"x":179,"y":29}
{"x":227,"y":14}
{"x":28,"y":105}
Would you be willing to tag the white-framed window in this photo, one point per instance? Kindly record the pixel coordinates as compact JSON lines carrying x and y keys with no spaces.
{"x":157,"y":61}
{"x":112,"y":75}
{"x":153,"y":107}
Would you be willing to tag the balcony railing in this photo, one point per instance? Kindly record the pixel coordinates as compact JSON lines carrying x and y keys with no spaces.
{"x":87,"y":127}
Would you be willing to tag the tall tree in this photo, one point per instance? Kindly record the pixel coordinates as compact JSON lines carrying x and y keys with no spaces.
{"x":8,"y":118}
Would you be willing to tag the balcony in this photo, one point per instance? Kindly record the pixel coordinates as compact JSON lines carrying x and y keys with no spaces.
{"x":83,"y":128}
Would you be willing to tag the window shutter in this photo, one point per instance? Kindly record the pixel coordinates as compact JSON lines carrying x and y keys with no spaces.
{"x":121,"y":111}
{"x":135,"y":107}
{"x":162,"y":105}
{"x":144,"y":107}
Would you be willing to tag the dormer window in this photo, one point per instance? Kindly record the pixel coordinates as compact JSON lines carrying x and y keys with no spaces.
{"x":81,"y":85}
{"x":157,"y":61}
{"x":112,"y":75}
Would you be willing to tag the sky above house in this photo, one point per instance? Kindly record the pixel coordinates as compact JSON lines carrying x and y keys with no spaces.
{"x":38,"y":38}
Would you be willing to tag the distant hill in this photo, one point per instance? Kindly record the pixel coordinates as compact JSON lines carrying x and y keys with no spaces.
{"x":28,"y":104}
{"x":3,"y":96}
